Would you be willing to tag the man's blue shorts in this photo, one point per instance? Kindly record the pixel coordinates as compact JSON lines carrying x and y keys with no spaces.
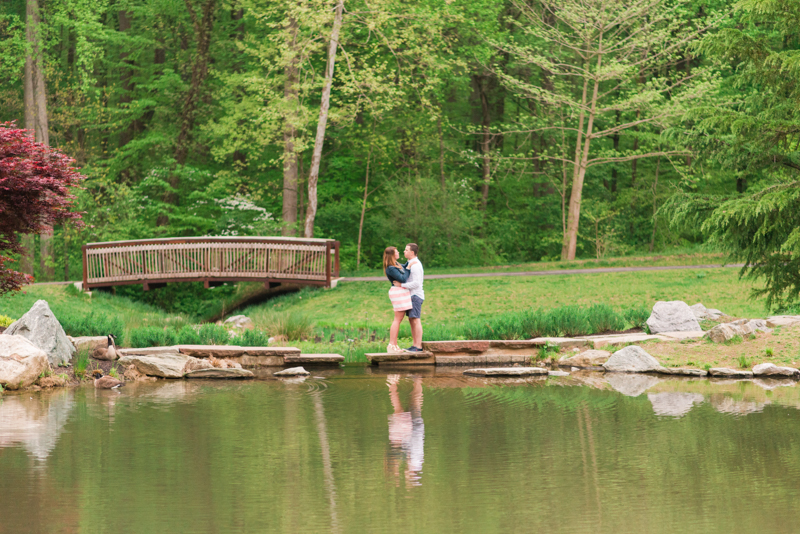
{"x":416,"y":307}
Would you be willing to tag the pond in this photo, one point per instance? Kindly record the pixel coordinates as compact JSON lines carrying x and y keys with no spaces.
{"x":360,"y":450}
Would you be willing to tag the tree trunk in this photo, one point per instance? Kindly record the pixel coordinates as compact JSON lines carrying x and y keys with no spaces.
{"x":575,"y":169}
{"x":291,"y":100}
{"x":311,"y":210}
{"x":655,"y":207}
{"x":364,"y":205}
{"x":125,"y":137}
{"x":574,"y":215}
{"x":203,"y":26}
{"x":36,"y":120}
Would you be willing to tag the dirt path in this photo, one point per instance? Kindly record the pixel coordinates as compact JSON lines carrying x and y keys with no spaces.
{"x":599,"y":270}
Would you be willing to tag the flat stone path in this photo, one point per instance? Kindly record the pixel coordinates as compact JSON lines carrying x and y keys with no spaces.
{"x":599,"y":270}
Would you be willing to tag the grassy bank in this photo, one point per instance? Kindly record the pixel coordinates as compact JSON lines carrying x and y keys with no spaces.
{"x":452,"y":301}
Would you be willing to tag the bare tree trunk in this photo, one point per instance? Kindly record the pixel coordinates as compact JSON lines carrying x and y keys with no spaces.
{"x":124,"y":18}
{"x":577,"y":184}
{"x":655,"y":207}
{"x":203,"y":26}
{"x":364,"y":205}
{"x":36,"y":120}
{"x":575,"y":171}
{"x":311,"y":210}
{"x":290,"y":94}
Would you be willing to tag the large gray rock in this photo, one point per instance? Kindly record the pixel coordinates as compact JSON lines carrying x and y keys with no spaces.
{"x":165,"y":365}
{"x":701,"y":312}
{"x":673,"y":316}
{"x":770,"y":369}
{"x":783,"y":320}
{"x":674,"y":403}
{"x":727,"y":331}
{"x":42,"y":329}
{"x":21,"y":362}
{"x":95,"y":345}
{"x":632,"y":359}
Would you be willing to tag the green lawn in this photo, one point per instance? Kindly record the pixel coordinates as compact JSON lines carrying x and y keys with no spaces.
{"x":67,"y":304}
{"x":650,"y":260}
{"x":454,"y":300}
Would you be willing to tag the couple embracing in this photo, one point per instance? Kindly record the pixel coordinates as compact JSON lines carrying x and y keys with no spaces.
{"x":406,"y":294}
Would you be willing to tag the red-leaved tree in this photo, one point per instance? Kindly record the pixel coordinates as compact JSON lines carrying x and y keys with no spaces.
{"x":35,"y":193}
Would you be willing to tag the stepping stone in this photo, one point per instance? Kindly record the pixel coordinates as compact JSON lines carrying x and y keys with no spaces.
{"x":557,"y":373}
{"x":220,"y":373}
{"x":623,"y":339}
{"x":294,"y":371}
{"x":682,"y":371}
{"x":690,"y":334}
{"x":334,"y":359}
{"x":507,"y":371}
{"x":724,"y":371}
{"x":397,"y":356}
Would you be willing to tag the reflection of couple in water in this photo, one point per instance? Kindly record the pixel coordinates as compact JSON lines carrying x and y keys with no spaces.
{"x":406,"y":433}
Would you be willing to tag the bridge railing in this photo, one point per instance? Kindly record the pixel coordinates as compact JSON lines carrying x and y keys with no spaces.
{"x":211,"y":259}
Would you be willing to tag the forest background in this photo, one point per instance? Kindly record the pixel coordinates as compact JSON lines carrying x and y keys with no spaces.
{"x":486,"y":131}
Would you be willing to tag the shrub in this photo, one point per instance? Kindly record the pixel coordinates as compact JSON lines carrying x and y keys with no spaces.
{"x":252,"y":338}
{"x":152,"y":336}
{"x":213,"y":334}
{"x":637,"y":317}
{"x":603,"y":318}
{"x":188,"y":335}
{"x":5,"y":321}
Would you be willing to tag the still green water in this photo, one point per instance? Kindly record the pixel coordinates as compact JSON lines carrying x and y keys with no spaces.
{"x":358,"y":451}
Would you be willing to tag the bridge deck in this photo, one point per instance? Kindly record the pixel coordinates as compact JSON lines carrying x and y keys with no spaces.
{"x":152,"y":262}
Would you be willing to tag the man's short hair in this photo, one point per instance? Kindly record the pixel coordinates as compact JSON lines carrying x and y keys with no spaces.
{"x":414,"y":248}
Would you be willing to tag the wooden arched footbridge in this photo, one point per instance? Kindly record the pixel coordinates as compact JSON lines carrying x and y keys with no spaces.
{"x":212,"y":260}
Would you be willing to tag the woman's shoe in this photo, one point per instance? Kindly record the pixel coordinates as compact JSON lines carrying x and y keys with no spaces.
{"x":391,"y":349}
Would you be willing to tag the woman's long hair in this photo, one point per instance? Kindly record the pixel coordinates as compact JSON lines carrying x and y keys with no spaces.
{"x":388,"y":258}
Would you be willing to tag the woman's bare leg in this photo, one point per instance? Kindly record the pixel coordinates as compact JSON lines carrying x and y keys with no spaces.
{"x":394,"y":330}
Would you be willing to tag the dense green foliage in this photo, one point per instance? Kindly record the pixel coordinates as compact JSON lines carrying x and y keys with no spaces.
{"x":483,"y":130}
{"x":429,"y":102}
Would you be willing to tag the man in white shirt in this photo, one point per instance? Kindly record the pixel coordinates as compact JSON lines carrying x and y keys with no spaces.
{"x":414,"y":286}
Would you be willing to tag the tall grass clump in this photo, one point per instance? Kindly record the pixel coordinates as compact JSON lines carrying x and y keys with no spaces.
{"x":295,"y":325}
{"x":603,"y":318}
{"x":188,"y":335}
{"x":637,"y":317}
{"x":568,"y":321}
{"x":152,"y":336}
{"x":252,"y":338}
{"x":81,"y":363}
{"x":91,"y":324}
{"x":213,"y":334}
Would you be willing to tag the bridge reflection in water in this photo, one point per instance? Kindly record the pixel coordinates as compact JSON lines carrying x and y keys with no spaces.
{"x":212,"y":260}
